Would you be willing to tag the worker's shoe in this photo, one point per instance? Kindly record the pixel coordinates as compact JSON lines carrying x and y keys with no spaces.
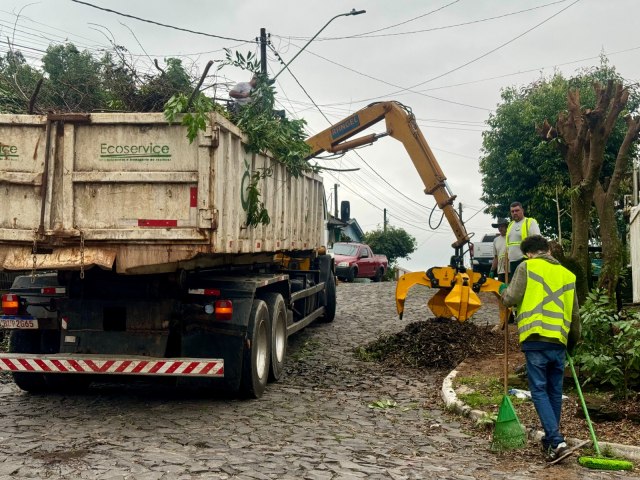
{"x":558,"y":453}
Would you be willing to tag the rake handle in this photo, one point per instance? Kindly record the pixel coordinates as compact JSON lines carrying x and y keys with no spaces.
{"x":506,"y":324}
{"x":584,"y":407}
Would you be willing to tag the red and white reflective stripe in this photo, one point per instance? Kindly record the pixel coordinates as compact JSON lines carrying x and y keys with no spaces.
{"x":201,"y":367}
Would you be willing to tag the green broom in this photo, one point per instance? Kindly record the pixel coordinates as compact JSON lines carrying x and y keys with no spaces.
{"x":598,"y":462}
{"x":508,"y":433}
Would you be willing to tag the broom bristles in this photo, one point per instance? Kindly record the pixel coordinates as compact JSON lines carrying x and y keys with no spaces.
{"x":600,"y":463}
{"x":509,"y":433}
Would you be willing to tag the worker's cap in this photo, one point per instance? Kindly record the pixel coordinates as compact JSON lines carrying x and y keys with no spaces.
{"x":501,"y":221}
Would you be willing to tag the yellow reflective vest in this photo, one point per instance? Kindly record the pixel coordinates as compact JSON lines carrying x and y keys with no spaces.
{"x":548,"y":301}
{"x":525,"y":231}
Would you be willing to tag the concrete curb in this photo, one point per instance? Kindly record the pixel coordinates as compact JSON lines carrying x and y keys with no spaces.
{"x":453,"y":403}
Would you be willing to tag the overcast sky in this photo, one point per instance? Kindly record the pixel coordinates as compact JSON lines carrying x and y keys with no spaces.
{"x":447,"y":59}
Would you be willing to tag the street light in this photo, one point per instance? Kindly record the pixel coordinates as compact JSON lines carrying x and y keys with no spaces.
{"x":352,"y":12}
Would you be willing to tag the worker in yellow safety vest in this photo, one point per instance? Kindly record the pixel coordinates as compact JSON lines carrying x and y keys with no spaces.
{"x":548,"y":324}
{"x":519,"y":228}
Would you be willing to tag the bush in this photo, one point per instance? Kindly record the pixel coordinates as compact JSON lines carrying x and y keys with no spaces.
{"x":610,"y":350}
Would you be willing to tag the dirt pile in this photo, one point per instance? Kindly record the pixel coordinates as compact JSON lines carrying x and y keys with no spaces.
{"x":432,"y":343}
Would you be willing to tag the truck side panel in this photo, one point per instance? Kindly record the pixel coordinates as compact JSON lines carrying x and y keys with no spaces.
{"x":132,"y":185}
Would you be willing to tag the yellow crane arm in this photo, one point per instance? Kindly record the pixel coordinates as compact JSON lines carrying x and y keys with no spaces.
{"x":458,"y":287}
{"x":401,"y":125}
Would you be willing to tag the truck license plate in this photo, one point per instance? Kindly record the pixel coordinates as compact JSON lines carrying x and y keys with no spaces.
{"x":26,"y":323}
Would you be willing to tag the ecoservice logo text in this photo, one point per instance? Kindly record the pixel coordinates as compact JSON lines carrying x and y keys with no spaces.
{"x":135,"y":153}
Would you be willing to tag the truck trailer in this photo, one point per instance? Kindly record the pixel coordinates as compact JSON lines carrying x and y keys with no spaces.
{"x":138,"y":257}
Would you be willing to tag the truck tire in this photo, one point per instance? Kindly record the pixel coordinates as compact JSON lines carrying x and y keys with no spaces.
{"x":278,"y":317}
{"x":257,"y":352}
{"x":329,"y":299}
{"x":379,"y":274}
{"x":27,"y":341}
{"x":351,"y":274}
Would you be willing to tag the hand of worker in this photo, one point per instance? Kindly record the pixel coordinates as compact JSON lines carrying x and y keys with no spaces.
{"x":502,"y":288}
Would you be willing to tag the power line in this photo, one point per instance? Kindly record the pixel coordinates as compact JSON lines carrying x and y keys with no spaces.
{"x":162,"y":24}
{"x":444,"y":27}
{"x":502,"y":45}
{"x":537,"y":69}
{"x":403,"y":89}
{"x":65,"y":37}
{"x":329,"y":121}
{"x":410,"y":89}
{"x":406,"y":21}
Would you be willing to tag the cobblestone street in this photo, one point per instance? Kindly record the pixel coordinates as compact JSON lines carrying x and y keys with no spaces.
{"x":315,"y":423}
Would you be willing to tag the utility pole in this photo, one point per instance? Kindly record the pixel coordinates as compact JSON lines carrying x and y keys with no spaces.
{"x":335,"y":198}
{"x":385,"y":220}
{"x":263,"y":51}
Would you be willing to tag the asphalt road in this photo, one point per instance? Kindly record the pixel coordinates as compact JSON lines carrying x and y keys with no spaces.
{"x":317,"y":422}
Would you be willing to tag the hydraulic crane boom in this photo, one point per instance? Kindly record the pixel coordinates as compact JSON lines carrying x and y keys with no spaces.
{"x":458,"y":286}
{"x":402,"y":126}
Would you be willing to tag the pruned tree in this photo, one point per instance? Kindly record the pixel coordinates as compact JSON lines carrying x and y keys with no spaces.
{"x":582,"y":135}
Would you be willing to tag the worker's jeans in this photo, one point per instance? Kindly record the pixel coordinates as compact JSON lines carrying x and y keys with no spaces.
{"x":545,"y":371}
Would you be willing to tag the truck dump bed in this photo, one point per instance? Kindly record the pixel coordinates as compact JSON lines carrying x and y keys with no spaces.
{"x":130,"y":189}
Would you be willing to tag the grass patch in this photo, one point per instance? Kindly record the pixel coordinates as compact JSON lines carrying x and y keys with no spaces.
{"x":487,"y":391}
{"x":477,"y":399}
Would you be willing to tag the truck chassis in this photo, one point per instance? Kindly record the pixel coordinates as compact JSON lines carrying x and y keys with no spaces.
{"x":229,"y":327}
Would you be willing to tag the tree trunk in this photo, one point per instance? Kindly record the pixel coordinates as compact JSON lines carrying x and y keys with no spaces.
{"x":612,"y":258}
{"x":584,"y":135}
{"x":580,"y":221}
{"x":612,"y":253}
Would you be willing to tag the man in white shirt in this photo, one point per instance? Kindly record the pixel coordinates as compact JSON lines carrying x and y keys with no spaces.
{"x":499,"y":250}
{"x":520,"y":228}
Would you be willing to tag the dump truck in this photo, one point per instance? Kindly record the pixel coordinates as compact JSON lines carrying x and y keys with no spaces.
{"x":139,"y":261}
{"x":457,"y":285}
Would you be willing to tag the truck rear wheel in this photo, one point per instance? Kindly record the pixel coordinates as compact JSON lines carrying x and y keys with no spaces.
{"x":329,"y":299}
{"x":278,"y":317}
{"x":27,"y":341}
{"x":256,"y":358}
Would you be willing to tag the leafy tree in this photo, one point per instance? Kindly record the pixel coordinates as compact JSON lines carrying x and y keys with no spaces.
{"x":520,"y":165}
{"x":517,"y":165}
{"x":74,"y":78}
{"x":18,"y":81}
{"x":395,"y":243}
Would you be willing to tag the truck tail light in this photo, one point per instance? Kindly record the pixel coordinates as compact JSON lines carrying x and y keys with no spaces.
{"x":10,"y":304}
{"x":224,"y":309}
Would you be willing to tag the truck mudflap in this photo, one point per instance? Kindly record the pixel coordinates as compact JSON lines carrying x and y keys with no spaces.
{"x":110,"y":365}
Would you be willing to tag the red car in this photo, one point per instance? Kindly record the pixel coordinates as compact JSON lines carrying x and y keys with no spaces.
{"x":356,"y":260}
